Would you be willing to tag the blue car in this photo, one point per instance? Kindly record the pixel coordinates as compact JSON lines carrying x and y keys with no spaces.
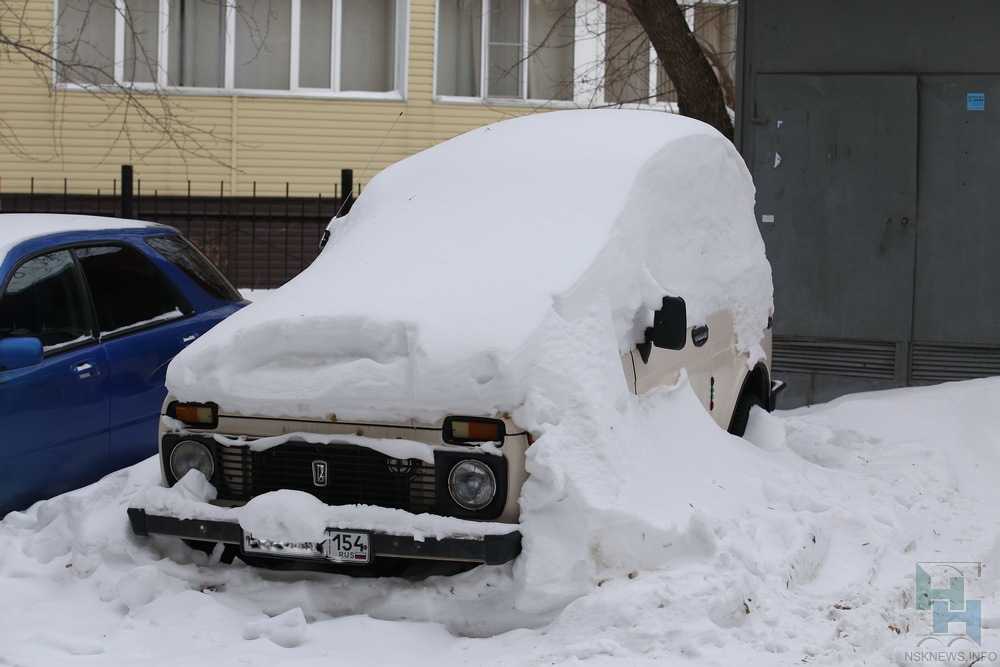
{"x":91,"y":312}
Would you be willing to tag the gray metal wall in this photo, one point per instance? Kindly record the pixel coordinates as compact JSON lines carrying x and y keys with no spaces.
{"x":878,"y":187}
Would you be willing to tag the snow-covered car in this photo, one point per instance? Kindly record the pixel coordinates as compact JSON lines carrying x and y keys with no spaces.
{"x":384,"y":404}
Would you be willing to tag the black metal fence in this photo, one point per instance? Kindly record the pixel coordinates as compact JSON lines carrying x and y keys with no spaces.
{"x":257,"y":241}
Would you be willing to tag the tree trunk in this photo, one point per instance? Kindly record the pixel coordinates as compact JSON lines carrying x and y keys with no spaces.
{"x":699,"y":94}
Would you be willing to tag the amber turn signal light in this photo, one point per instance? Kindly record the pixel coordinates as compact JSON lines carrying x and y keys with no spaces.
{"x":196,"y":415}
{"x":467,"y":430}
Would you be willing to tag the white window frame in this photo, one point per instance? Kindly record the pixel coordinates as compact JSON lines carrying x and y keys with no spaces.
{"x":588,"y":63}
{"x":484,"y":64}
{"x":400,"y":51}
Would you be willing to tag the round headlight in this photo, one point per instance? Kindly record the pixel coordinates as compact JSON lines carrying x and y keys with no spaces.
{"x":472,"y":484}
{"x":191,"y":455}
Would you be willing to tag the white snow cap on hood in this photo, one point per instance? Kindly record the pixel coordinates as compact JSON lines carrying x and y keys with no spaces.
{"x":433,"y":292}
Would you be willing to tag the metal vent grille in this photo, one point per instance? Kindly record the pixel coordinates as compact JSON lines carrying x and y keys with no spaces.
{"x":857,"y":358}
{"x":235,"y":470}
{"x":943,"y":362}
{"x":357,"y":475}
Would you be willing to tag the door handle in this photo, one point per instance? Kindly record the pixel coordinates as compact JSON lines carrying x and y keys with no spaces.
{"x":187,"y":339}
{"x":699,"y":335}
{"x":85,"y":370}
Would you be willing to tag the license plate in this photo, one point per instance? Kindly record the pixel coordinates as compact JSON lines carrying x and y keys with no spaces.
{"x":343,"y":546}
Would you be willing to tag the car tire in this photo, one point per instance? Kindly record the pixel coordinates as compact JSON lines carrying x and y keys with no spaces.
{"x":741,"y":413}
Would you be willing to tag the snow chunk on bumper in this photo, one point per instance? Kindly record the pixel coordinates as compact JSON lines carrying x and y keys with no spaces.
{"x":296,"y":516}
{"x":397,"y":448}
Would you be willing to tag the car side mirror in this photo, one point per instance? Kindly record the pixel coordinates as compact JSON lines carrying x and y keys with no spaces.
{"x":19,"y":352}
{"x":669,"y":330}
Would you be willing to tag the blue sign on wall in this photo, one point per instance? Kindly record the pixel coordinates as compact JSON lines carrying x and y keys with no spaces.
{"x":975,"y":101}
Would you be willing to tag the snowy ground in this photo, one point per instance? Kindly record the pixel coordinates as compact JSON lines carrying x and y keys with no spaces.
{"x":820,"y":571}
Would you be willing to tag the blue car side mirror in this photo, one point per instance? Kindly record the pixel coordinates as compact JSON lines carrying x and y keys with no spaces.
{"x":19,"y":352}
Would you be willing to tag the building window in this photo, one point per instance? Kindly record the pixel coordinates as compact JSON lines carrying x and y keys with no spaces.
{"x":263,"y":44}
{"x":627,"y":54}
{"x":142,"y":18}
{"x":197,"y":44}
{"x":592,"y":51}
{"x":368,"y":60}
{"x":633,"y":73}
{"x":527,"y":53}
{"x":86,"y":41}
{"x":307,"y":46}
{"x":715,"y":28}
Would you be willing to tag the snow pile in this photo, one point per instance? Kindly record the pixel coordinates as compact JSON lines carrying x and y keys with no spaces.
{"x":801,"y":550}
{"x":16,"y":228}
{"x":434,"y":295}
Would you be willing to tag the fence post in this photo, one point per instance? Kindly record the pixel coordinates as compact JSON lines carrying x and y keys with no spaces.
{"x":126,"y":197}
{"x":346,"y":190}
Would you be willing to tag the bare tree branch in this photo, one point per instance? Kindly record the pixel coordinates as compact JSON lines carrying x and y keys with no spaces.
{"x":55,"y":59}
{"x":699,"y":94}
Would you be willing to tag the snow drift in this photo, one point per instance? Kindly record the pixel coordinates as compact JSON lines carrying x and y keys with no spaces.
{"x":819,"y":573}
{"x":435,"y":295}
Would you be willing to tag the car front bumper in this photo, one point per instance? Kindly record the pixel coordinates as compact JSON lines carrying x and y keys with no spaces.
{"x":486,"y":549}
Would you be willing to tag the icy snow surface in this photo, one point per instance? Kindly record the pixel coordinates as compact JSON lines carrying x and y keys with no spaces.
{"x":18,"y":227}
{"x":438,"y":294}
{"x":798,"y":548}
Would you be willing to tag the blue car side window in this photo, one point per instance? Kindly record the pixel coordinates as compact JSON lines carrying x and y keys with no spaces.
{"x":179,"y":252}
{"x":128,"y":291}
{"x":44,"y":300}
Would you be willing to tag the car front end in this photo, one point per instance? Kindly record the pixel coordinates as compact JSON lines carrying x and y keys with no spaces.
{"x":465,"y":473}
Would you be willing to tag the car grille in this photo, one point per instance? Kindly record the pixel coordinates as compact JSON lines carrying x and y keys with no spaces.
{"x":356,"y":475}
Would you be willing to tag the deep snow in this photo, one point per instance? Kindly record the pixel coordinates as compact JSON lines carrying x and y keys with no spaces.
{"x":799,"y":549}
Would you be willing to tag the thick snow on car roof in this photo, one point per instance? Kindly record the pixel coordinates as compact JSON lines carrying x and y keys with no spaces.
{"x":430,"y":292}
{"x":16,"y":228}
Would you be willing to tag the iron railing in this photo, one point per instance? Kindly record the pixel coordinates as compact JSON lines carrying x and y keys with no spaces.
{"x":259,"y":242}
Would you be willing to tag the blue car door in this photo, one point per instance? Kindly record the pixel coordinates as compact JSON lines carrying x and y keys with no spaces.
{"x":144,"y":322}
{"x":54,"y":414}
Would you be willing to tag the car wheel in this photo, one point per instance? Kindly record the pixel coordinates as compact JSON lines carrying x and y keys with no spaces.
{"x":741,"y":413}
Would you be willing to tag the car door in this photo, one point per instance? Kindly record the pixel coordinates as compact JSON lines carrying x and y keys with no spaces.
{"x":707,"y":356}
{"x":144,"y":322}
{"x":54,"y":414}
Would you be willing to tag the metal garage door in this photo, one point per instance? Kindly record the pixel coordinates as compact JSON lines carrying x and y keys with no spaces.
{"x":956,"y":329}
{"x":835,"y":163}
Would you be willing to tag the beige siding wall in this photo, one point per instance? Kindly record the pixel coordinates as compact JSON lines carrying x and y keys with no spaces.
{"x":233,"y":140}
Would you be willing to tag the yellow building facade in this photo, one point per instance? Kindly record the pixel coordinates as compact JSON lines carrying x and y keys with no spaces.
{"x":251,"y":95}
